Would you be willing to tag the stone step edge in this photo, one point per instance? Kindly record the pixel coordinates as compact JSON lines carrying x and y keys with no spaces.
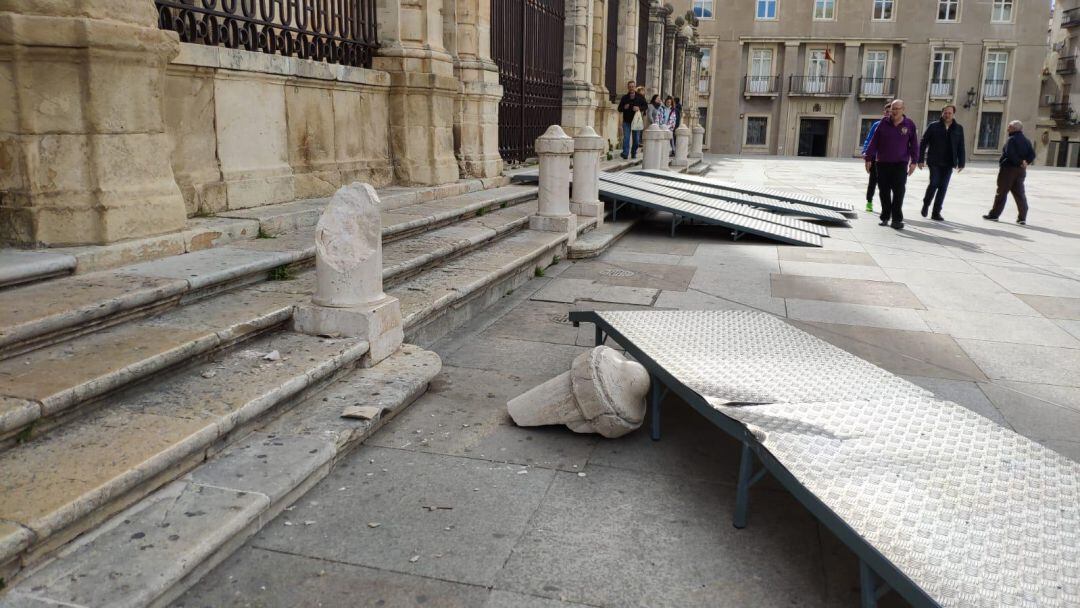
{"x":53,"y":332}
{"x":312,"y":448}
{"x":72,"y":402}
{"x":116,"y":494}
{"x":600,"y":239}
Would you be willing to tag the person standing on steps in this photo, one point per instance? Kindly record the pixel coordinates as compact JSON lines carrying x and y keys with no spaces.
{"x":630,"y":105}
{"x":872,"y":181}
{"x":941,"y":149}
{"x":1015,"y":158}
{"x":895,"y":149}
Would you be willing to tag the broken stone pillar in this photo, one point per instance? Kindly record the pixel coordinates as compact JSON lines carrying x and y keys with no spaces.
{"x":349,"y":299}
{"x":697,"y":142}
{"x":554,"y":148}
{"x":604,"y":392}
{"x":657,"y":145}
{"x":682,"y":146}
{"x":585,"y":198}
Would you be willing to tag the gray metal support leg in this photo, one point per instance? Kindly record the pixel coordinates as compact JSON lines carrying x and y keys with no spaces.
{"x":655,"y":398}
{"x":599,"y":336}
{"x":742,"y":490}
{"x":871,"y":588}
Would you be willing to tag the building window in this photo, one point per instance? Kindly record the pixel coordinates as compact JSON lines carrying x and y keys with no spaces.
{"x":760,"y":71}
{"x":864,"y":129}
{"x":703,"y":117}
{"x":883,"y":10}
{"x":995,"y":84}
{"x":989,"y":130}
{"x":756,"y":130}
{"x":941,"y":81}
{"x":703,"y":9}
{"x":874,"y":72}
{"x":1002,"y":11}
{"x":766,"y":9}
{"x":817,"y":72}
{"x":933,"y":116}
{"x":703,"y":80}
{"x":824,"y":10}
{"x":948,"y":10}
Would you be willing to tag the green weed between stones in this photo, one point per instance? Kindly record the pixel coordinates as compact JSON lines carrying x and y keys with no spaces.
{"x":263,"y":235}
{"x":281,"y":273}
{"x":538,"y":272}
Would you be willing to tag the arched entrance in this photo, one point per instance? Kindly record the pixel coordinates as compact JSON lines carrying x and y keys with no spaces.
{"x":527,"y":45}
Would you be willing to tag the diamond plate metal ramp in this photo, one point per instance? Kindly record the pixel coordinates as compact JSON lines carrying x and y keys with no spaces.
{"x":682,"y":210}
{"x":645,"y":185}
{"x":761,"y":202}
{"x":791,"y":197}
{"x":941,"y":505}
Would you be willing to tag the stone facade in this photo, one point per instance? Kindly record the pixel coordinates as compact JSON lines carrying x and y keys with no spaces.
{"x":1058,"y":129}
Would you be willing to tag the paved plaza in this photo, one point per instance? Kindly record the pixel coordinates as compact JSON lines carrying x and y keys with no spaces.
{"x":450,"y":504}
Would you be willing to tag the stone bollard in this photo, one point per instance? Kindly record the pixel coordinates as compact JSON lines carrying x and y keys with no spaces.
{"x":604,"y":392}
{"x":349,"y":299}
{"x":585,"y":199}
{"x":682,"y":146}
{"x":554,"y":148}
{"x":657,"y":144}
{"x":697,"y":142}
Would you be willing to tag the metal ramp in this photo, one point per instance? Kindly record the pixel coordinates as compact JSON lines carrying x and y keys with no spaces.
{"x":941,"y":505}
{"x":645,"y":185}
{"x":761,"y":202}
{"x":802,"y":199}
{"x":531,"y":176}
{"x":682,"y":210}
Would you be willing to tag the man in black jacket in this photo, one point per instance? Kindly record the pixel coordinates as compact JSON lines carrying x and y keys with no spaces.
{"x":942,"y":149}
{"x":1015,"y":157}
{"x":630,"y":104}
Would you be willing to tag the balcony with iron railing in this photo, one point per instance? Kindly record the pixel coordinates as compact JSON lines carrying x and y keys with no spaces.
{"x":1061,"y":112}
{"x":1071,"y":17}
{"x":1066,"y":65}
{"x":824,"y":86}
{"x":877,"y":87}
{"x":995,"y":89}
{"x":942,"y":88}
{"x":761,"y":85}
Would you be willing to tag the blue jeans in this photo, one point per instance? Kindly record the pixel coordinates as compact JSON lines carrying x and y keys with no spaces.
{"x":629,"y":134}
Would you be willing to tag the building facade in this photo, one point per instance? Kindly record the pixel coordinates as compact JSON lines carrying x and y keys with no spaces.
{"x":1059,"y":125}
{"x":807,"y":78}
{"x":122,"y":119}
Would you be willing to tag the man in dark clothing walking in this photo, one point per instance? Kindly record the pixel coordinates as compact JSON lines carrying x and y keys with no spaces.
{"x":1015,"y":157}
{"x":895,"y":149}
{"x":942,"y":149}
{"x":872,"y":184}
{"x":630,"y":104}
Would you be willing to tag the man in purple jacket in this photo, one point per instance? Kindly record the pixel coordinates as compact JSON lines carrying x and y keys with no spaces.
{"x":894,"y":150}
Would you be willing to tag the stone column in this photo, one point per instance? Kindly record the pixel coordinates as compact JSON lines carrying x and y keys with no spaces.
{"x":628,"y":33}
{"x":679,"y":65}
{"x":657,"y":142}
{"x":585,"y":199}
{"x":554,"y":148}
{"x":476,"y":123}
{"x":697,"y":141}
{"x":682,"y":146}
{"x":349,"y":299}
{"x":668,"y":59}
{"x":83,"y":149}
{"x":654,"y":67}
{"x":423,"y":90}
{"x":577,"y":102}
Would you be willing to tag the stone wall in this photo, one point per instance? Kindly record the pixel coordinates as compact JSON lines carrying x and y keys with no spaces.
{"x":251,"y":129}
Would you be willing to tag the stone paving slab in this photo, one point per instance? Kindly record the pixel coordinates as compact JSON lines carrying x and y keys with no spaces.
{"x":633,"y":274}
{"x":802,"y":254}
{"x":856,"y":314}
{"x":214,"y":266}
{"x":849,"y":291}
{"x":999,"y":328}
{"x":573,"y":290}
{"x":1025,"y":362}
{"x":1054,"y":307}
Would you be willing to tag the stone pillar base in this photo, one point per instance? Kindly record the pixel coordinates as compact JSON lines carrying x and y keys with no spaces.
{"x":379,"y":323}
{"x":547,"y":223}
{"x":593,"y":209}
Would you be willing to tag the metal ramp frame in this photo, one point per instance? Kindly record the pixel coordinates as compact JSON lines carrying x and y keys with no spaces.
{"x":939,"y":504}
{"x":761,"y":202}
{"x":802,"y":199}
{"x":739,"y":208}
{"x":682,"y":211}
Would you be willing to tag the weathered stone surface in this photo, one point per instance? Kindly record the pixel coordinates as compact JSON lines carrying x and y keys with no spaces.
{"x":573,"y":290}
{"x":655,"y":140}
{"x":595,"y":242}
{"x":348,"y":249}
{"x":851,"y":291}
{"x":212,"y":266}
{"x":22,"y":266}
{"x":17,"y":413}
{"x":268,"y":464}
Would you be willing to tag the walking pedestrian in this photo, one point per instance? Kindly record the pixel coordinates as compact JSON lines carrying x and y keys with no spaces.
{"x":941,"y":149}
{"x":678,"y":112}
{"x":871,"y":184}
{"x":631,"y":105}
{"x":653,"y":112}
{"x":895,"y":149}
{"x":669,"y":120}
{"x":1017,"y":154}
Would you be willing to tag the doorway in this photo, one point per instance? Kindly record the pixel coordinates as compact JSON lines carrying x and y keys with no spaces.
{"x":813,"y":136}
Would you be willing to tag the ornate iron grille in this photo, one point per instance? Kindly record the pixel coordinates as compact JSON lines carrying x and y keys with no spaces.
{"x":642,"y":43}
{"x":334,"y":31}
{"x":526,"y":43}
{"x":611,"y":55}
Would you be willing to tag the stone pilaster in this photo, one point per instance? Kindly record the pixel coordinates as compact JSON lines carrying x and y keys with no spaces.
{"x":847,"y":134}
{"x":553,"y":214}
{"x":679,"y":72}
{"x":654,"y":67}
{"x":657,"y":144}
{"x":668,"y":70}
{"x":476,"y":121}
{"x":682,"y":145}
{"x":578,"y":101}
{"x":585,"y":195}
{"x":83,"y":148}
{"x":423,"y":90}
{"x":628,"y":35}
{"x":787,"y":137}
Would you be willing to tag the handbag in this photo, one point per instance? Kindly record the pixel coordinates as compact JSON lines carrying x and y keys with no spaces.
{"x":638,"y":124}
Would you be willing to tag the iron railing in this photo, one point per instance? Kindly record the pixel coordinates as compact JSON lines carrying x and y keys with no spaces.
{"x":942,"y":88}
{"x":761,"y":85}
{"x":828,"y":86}
{"x":1066,"y":65}
{"x":877,"y":87}
{"x":611,"y":55}
{"x":1061,"y":112}
{"x":1071,"y":17}
{"x":995,"y":89}
{"x":334,"y":31}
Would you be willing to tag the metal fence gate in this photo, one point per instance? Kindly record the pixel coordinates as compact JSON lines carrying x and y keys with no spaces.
{"x":527,"y":45}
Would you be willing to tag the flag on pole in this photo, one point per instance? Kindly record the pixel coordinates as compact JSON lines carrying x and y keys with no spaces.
{"x":828,"y":55}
